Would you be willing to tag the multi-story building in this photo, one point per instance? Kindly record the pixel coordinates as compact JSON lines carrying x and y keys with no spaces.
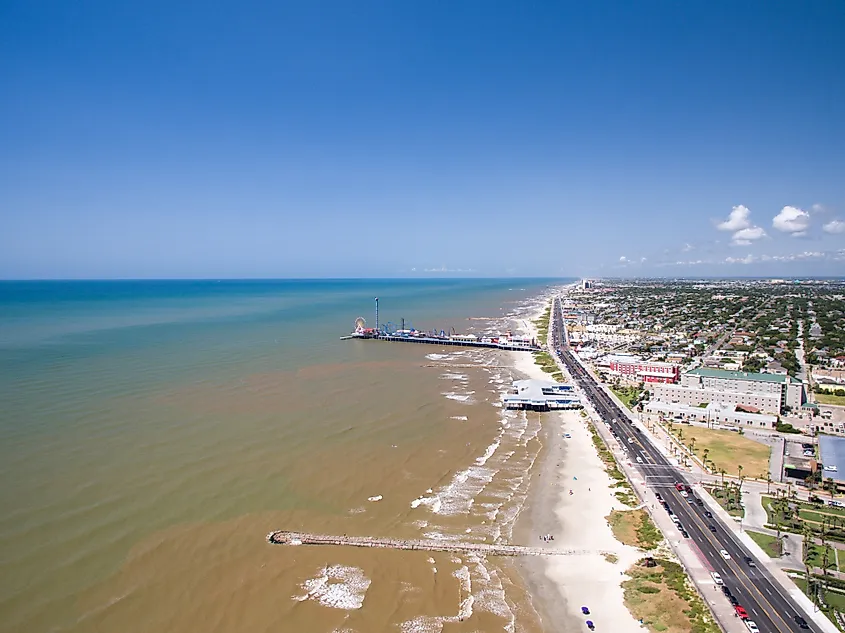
{"x":767,"y":392}
{"x":635,"y":369}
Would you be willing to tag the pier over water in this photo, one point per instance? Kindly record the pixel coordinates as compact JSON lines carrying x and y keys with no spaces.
{"x":282,"y":537}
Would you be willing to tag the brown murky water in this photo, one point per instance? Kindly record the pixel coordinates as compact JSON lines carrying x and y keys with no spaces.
{"x":162,"y":527}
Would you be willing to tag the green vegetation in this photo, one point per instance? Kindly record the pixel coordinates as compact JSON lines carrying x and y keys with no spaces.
{"x":630,"y":396}
{"x":814,"y":555}
{"x":662,"y":598}
{"x":542,"y":325}
{"x":546,"y":362}
{"x":703,"y":405}
{"x":728,"y":496}
{"x":786,"y":428}
{"x":832,"y":596}
{"x":769,"y":544}
{"x":828,"y":398}
{"x":635,"y":528}
{"x":624,"y":492}
{"x":726,"y":450}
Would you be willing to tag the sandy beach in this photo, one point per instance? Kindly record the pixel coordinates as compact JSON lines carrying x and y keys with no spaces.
{"x":561,"y":586}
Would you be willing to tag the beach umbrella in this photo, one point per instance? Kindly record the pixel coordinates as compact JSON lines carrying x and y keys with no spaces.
{"x":590,"y":625}
{"x":585,"y":610}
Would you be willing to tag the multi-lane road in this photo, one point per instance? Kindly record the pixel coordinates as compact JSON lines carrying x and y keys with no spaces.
{"x":751,"y":584}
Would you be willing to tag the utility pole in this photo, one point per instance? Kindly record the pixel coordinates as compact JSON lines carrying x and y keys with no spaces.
{"x":377,"y":314}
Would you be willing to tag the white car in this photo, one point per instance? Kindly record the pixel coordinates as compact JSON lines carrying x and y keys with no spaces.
{"x":832,"y":469}
{"x":725,"y":554}
{"x":684,"y":494}
{"x":630,"y":440}
{"x":752,"y":626}
{"x":717,"y":578}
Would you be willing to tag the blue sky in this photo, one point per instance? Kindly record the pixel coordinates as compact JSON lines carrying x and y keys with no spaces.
{"x":312,"y":139}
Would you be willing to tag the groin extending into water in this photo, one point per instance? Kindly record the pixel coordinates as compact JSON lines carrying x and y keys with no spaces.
{"x":282,"y":537}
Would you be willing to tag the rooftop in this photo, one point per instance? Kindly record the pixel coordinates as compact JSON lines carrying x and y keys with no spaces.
{"x":738,"y":375}
{"x":832,"y":451}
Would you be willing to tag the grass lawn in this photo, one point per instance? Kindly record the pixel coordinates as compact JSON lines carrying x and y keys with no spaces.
{"x":627,"y":397}
{"x":662,"y":598}
{"x":815,"y":556}
{"x":719,"y":495}
{"x":634,"y":527}
{"x":834,"y":599}
{"x":770,"y":544}
{"x":728,"y":450}
{"x":827,"y":398}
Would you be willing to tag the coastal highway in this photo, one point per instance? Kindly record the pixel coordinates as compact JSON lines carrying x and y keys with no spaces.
{"x":754,"y":587}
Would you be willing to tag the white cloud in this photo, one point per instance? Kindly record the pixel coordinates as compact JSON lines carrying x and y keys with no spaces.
{"x":748,"y":259}
{"x":623,"y":260}
{"x":687,"y":247}
{"x":818,"y":208}
{"x":737,"y":220}
{"x":443,"y":269}
{"x":792,"y":220}
{"x":834,"y":227}
{"x":744,"y":237}
{"x":643,"y":260}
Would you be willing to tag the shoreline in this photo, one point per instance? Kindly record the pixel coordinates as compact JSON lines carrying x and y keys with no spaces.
{"x":557,"y":588}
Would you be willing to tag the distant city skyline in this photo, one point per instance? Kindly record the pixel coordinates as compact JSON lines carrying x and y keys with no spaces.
{"x":606,"y":139}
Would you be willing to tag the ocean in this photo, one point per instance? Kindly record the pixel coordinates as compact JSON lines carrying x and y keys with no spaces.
{"x":153,"y":432}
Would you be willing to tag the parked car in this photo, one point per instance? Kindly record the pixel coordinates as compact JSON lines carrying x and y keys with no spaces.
{"x":752,"y":626}
{"x":724,"y":554}
{"x":717,"y":578}
{"x":726,"y":591}
{"x":733,"y":600}
{"x":684,"y":533}
{"x":659,"y":497}
{"x":741,"y":612}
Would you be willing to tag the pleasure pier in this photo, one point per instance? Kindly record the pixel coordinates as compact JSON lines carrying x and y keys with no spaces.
{"x":283,"y":537}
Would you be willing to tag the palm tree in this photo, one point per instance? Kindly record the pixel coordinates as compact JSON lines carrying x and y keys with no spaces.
{"x":768,"y":483}
{"x":723,"y":472}
{"x":739,"y":470}
{"x":706,"y":453}
{"x":831,"y":487}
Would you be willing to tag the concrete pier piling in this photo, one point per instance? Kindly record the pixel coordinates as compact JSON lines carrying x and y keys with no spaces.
{"x":282,"y":537}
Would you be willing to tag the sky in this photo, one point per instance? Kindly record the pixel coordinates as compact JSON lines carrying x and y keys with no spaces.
{"x":417,"y":139}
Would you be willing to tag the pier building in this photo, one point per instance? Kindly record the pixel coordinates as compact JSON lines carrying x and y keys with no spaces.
{"x":541,"y":395}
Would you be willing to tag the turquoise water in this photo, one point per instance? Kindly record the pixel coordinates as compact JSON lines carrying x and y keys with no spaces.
{"x":133,"y":408}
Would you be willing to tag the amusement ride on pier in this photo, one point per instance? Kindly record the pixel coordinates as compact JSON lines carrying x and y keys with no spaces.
{"x":387,"y":332}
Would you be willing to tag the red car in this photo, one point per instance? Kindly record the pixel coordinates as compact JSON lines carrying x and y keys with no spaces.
{"x":741,"y":612}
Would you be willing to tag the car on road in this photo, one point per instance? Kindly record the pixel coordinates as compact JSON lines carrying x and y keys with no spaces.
{"x":832,"y":468}
{"x":752,"y":626}
{"x":699,"y":502}
{"x":724,"y":554}
{"x":630,"y":440}
{"x":679,"y":486}
{"x":741,"y":612}
{"x":684,"y":533}
{"x":684,"y":494}
{"x":717,"y":578}
{"x":726,"y":591}
{"x":639,"y":459}
{"x":712,"y":528}
{"x":676,"y":520}
{"x":658,"y":496}
{"x":708,"y":514}
{"x":749,"y":561}
{"x":732,"y":599}
{"x":801,"y":622}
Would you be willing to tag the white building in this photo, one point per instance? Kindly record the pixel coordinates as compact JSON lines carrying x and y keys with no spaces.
{"x":717,"y":413}
{"x":767,"y":392}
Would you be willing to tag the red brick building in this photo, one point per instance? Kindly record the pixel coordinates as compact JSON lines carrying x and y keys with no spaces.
{"x":638,"y":370}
